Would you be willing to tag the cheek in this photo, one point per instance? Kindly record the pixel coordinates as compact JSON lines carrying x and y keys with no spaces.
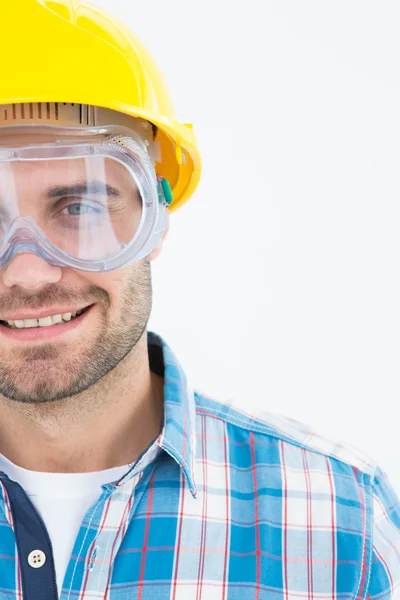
{"x":115,"y":285}
{"x":121,"y":286}
{"x":102,"y":288}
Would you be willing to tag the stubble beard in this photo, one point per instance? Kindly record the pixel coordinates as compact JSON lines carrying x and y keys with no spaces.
{"x":52,"y":373}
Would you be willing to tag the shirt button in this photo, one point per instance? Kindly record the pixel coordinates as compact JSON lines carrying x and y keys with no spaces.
{"x":36,"y":559}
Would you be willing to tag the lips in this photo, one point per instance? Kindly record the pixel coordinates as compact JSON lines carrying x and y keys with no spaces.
{"x":43,"y":321}
{"x":62,"y":330}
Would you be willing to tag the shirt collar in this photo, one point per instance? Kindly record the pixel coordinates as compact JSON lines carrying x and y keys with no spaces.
{"x":178,"y":435}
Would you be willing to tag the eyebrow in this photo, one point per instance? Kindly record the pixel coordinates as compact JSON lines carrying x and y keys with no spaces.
{"x":93,"y":187}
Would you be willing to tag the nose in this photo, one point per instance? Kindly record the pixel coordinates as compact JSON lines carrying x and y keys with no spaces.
{"x":30,"y":272}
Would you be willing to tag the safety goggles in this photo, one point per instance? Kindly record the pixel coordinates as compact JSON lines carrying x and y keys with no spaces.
{"x":80,"y":197}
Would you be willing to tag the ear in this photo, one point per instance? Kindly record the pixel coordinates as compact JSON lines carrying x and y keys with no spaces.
{"x":157,"y":250}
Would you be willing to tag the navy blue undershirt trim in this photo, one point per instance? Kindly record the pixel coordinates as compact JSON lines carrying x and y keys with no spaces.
{"x":31,"y":534}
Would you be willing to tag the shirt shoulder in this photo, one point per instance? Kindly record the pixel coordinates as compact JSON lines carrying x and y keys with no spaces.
{"x":310,"y":488}
{"x":289,"y":431}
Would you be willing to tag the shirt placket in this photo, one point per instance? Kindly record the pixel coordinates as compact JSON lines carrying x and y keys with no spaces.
{"x":117,"y":513}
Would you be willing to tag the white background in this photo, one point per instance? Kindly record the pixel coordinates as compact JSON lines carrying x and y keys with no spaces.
{"x":278,"y":282}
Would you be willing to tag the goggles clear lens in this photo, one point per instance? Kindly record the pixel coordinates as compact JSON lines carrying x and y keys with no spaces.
{"x":89,"y":199}
{"x":90,"y":208}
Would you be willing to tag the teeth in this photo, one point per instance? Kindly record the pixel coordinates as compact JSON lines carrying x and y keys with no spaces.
{"x":45,"y":321}
{"x":29,"y":323}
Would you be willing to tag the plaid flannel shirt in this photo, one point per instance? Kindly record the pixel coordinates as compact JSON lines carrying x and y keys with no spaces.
{"x":224,"y":504}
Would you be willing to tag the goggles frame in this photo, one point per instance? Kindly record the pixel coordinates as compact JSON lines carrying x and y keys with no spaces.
{"x":116,"y":142}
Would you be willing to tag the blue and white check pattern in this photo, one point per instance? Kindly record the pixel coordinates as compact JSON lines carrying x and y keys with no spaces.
{"x":233,"y":506}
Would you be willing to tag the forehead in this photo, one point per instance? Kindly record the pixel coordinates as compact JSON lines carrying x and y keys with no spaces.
{"x":27,"y":178}
{"x":17,"y":138}
{"x":35,"y":173}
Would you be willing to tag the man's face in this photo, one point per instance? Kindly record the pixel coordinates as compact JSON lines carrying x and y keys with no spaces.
{"x":38,"y":371}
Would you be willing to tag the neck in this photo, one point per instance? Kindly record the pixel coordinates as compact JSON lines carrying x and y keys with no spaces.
{"x":107,"y":426}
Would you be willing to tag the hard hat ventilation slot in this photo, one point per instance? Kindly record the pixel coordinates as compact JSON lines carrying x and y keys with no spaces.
{"x":28,"y":111}
{"x":60,"y":113}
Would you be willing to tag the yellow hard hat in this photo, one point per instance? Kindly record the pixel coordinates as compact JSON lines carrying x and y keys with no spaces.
{"x":70,"y":51}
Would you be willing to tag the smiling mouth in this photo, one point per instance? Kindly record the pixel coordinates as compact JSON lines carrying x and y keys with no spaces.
{"x":44,"y":322}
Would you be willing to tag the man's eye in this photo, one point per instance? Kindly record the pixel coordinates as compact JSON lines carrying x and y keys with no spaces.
{"x":78,"y":209}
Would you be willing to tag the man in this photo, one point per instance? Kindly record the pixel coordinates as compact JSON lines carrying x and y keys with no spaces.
{"x":117,"y":480}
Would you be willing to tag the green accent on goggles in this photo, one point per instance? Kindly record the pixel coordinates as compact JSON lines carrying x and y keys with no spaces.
{"x":166,"y":191}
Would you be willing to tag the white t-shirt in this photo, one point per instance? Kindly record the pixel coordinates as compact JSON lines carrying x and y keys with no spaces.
{"x":62,"y":500}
